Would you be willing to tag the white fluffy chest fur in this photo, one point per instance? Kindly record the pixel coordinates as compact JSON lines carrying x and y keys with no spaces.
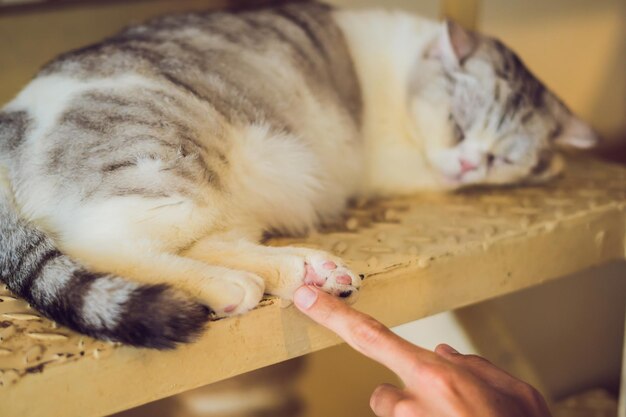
{"x":386,"y":46}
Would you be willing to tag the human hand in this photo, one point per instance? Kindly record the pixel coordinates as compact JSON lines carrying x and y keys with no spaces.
{"x":437,"y":384}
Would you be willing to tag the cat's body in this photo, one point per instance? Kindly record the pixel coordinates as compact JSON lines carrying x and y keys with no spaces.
{"x":163,"y":154}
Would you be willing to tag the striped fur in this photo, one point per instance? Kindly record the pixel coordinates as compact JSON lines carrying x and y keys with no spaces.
{"x":100,"y":305}
{"x":146,"y":168}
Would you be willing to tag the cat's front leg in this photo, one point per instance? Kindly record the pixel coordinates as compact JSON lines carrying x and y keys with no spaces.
{"x":225,"y":291}
{"x":283,"y":269}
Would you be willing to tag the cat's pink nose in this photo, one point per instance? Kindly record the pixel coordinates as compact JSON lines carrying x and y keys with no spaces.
{"x":467,"y":166}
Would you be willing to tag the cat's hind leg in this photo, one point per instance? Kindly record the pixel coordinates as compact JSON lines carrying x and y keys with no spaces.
{"x":225,"y":291}
{"x":284,"y":269}
{"x":133,"y":241}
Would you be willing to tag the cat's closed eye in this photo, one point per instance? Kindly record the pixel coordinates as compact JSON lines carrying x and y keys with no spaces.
{"x":459,"y":135}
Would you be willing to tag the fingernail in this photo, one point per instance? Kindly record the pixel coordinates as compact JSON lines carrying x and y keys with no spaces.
{"x":446,"y":349}
{"x":451,"y":350}
{"x":304,"y":297}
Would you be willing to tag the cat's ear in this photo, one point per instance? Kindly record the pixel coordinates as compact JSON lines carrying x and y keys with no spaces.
{"x":454,"y":45}
{"x":577,"y":134}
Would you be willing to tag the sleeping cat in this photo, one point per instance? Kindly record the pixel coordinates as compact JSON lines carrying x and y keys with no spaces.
{"x":140,"y":173}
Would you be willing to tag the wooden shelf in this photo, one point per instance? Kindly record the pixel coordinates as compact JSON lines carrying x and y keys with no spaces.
{"x":421,"y":255}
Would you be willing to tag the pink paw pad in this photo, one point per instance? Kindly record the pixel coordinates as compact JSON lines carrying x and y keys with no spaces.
{"x":344,"y":279}
{"x":330,"y":265}
{"x":230,"y":308}
{"x":312,"y":278}
{"x":330,"y":275}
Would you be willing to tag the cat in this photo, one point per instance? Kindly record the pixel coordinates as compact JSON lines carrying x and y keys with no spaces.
{"x":140,"y":173}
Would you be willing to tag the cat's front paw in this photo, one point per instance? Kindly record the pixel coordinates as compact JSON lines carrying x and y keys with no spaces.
{"x":331,"y":275}
{"x":235,"y":293}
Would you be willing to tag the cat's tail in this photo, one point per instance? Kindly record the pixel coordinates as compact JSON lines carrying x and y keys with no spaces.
{"x":100,"y":305}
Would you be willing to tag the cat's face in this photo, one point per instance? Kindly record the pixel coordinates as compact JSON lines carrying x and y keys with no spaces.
{"x":484,"y":117}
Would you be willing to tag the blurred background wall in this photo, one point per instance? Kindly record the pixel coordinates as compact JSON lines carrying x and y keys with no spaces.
{"x":31,"y":35}
{"x":576,"y":46}
{"x":569,"y":331}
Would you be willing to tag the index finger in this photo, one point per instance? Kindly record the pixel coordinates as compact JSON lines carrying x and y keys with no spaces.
{"x":365,"y":334}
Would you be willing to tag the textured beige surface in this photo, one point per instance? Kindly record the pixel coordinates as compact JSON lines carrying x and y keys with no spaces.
{"x":593,"y":403}
{"x":421,"y":255}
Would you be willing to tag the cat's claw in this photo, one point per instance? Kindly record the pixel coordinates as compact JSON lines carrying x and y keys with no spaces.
{"x":331,"y":276}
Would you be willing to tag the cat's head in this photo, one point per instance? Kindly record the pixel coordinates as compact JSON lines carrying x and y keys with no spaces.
{"x":484,"y":117}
